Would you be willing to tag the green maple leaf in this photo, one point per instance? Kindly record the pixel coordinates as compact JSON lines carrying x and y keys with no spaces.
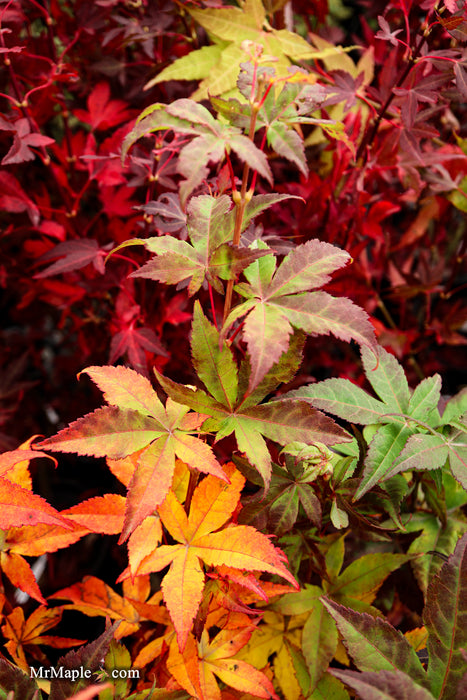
{"x":217,"y":66}
{"x":278,"y":114}
{"x":355,"y":587}
{"x":279,"y":301}
{"x":134,"y":420}
{"x":386,"y":659}
{"x":211,"y":139}
{"x":233,"y":409}
{"x":408,"y":431}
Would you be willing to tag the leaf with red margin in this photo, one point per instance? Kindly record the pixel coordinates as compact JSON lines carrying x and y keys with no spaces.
{"x":18,"y":506}
{"x":20,"y":574}
{"x":137,"y":420}
{"x":445,"y":617}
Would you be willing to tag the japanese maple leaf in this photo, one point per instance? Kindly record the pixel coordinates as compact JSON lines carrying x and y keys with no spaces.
{"x":19,"y":509}
{"x":94,"y":598}
{"x":23,"y":138}
{"x":209,"y":254}
{"x":103,"y":112}
{"x":14,"y":199}
{"x":345,"y":88}
{"x":200,"y":540}
{"x":400,"y":417}
{"x":134,"y":420}
{"x":21,"y":632}
{"x":73,"y":255}
{"x":212,"y":138}
{"x":233,"y":408}
{"x":277,"y":301}
{"x":19,"y":506}
{"x":385,"y":32}
{"x":197,"y":665}
{"x":134,"y":342}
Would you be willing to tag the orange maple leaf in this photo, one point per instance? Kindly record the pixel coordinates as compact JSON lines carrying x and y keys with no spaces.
{"x":196,"y":666}
{"x":135,"y":421}
{"x":199,"y":540}
{"x":94,"y":598}
{"x":23,"y":633}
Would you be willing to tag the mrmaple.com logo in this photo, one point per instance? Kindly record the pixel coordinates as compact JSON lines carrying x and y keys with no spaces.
{"x":74,"y":674}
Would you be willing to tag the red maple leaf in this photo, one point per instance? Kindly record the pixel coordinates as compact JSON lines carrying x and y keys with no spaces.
{"x":102,"y":112}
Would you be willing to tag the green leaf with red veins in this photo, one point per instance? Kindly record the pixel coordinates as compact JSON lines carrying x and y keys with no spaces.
{"x":374,"y":644}
{"x":445,"y":617}
{"x":455,"y":407}
{"x":281,"y":421}
{"x":423,"y":404}
{"x":383,"y":685}
{"x":210,"y":224}
{"x":247,"y":152}
{"x":388,"y":379}
{"x":214,"y":364}
{"x":457,"y":446}
{"x":266,"y":333}
{"x":279,"y":299}
{"x":342,"y":398}
{"x":172,"y":268}
{"x":206,"y":222}
{"x":420,"y":452}
{"x":306,"y":267}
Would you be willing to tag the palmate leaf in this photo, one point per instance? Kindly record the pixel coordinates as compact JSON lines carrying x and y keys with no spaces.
{"x":355,"y":587}
{"x":200,"y":540}
{"x":211,"y":139}
{"x":277,"y":300}
{"x":232,"y":412}
{"x":136,"y":420}
{"x":410,"y":435}
{"x":230,"y":26}
{"x":209,"y":254}
{"x":196,"y":667}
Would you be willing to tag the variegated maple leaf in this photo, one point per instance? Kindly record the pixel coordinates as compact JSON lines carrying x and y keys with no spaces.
{"x":234,"y":408}
{"x":134,"y":420}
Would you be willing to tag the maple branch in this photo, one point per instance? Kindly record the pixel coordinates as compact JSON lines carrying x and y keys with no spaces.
{"x":242,"y":199}
{"x":213,"y":308}
{"x":370,"y":135}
